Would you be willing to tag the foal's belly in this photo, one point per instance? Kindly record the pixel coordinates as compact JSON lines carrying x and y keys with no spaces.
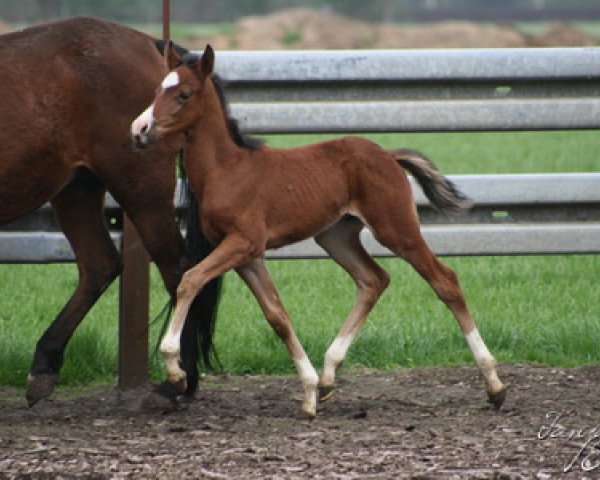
{"x":303,"y":206}
{"x":299,"y":227}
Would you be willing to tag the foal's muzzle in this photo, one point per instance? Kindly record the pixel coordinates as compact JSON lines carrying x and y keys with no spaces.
{"x":141,"y":140}
{"x":143,"y":131}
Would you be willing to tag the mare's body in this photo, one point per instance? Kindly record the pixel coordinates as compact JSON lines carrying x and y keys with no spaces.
{"x":68,"y":92}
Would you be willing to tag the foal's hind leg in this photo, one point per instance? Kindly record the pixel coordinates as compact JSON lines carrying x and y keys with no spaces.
{"x":258,"y":280}
{"x":78,"y":209}
{"x":342,"y":243}
{"x":404,"y":238}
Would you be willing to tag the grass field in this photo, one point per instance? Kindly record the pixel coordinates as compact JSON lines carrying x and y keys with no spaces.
{"x":542,"y":309}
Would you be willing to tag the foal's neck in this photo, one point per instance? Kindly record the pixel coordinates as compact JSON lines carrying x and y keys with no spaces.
{"x":210,"y":142}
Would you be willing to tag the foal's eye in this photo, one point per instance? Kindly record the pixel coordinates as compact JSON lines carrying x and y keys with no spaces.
{"x":184,"y":96}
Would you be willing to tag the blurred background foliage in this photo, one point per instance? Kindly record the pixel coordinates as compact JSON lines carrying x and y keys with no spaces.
{"x":30,"y":11}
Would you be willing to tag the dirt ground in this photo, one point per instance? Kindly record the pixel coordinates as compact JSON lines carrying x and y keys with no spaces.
{"x":304,"y":28}
{"x":408,"y":423}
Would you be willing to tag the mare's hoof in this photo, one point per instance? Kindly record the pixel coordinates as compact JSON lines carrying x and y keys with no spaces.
{"x":39,"y":387}
{"x":162,"y":398}
{"x":188,"y":398}
{"x":325,"y":392}
{"x":497,"y":398}
{"x":304,"y":415}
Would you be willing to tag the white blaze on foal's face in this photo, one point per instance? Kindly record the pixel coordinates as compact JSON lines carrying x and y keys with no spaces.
{"x":145,"y":121}
{"x":171,"y":80}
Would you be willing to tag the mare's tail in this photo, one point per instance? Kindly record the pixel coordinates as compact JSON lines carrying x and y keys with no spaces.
{"x":440,"y":191}
{"x":197,"y":347}
{"x":203,"y":311}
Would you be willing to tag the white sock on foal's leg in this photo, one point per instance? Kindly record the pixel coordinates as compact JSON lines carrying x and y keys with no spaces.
{"x":487,"y":364}
{"x":310,"y":379}
{"x":333,"y":358}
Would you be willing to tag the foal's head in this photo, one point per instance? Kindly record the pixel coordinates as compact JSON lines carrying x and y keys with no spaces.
{"x":178,"y":101}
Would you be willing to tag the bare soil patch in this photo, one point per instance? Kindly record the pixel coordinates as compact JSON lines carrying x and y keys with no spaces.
{"x":407,"y":423}
{"x":303,"y":28}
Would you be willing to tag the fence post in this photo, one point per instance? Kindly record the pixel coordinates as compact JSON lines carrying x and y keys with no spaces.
{"x":134,"y":296}
{"x":133,"y":309}
{"x":166,"y":13}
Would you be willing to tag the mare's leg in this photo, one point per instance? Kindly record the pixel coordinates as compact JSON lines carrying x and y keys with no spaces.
{"x":79,"y":210}
{"x":233,"y":251}
{"x":258,"y":280}
{"x":161,"y":237}
{"x":398,"y":229}
{"x":149,"y":204}
{"x":342,"y":243}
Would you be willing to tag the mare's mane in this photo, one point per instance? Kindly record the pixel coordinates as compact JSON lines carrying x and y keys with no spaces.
{"x":241,"y":140}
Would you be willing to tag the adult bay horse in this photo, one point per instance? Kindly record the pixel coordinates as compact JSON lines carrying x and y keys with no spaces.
{"x":253,"y":198}
{"x":68,"y":92}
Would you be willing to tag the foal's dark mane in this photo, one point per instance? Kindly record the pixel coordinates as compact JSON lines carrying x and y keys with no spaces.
{"x":241,"y":140}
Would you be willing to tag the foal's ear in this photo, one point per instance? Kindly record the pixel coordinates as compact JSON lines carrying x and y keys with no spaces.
{"x":172,"y":58}
{"x":207,"y":63}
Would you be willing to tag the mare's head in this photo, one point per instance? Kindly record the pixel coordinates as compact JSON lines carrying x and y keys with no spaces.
{"x":178,"y":101}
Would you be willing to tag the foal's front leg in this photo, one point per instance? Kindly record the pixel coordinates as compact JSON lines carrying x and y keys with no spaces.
{"x":257,"y":278}
{"x":231,"y":252}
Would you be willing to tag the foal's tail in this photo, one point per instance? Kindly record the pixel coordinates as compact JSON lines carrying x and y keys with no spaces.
{"x":440,"y":191}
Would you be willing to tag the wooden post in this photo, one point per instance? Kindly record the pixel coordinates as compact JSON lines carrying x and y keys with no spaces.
{"x":133,"y":309}
{"x":166,"y":13}
{"x":134,"y":296}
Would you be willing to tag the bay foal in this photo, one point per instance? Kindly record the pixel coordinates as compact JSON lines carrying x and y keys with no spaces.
{"x":253,"y":198}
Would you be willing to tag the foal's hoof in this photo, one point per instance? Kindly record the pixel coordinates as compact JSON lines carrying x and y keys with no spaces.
{"x":325,"y":392}
{"x":304,"y":415}
{"x":162,"y":398}
{"x":179,"y":386}
{"x":39,"y":387}
{"x":497,"y":398}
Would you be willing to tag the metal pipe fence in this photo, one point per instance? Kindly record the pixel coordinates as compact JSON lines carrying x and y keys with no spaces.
{"x":400,"y":91}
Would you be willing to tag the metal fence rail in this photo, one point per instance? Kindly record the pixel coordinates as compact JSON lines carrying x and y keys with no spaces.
{"x":401,"y":91}
{"x":512,"y":214}
{"x":414,"y":90}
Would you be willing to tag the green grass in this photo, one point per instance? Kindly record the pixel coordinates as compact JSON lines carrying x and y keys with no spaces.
{"x":32,"y":295}
{"x":539,"y":27}
{"x":291,"y":37}
{"x":528,"y":309}
{"x":538,"y":308}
